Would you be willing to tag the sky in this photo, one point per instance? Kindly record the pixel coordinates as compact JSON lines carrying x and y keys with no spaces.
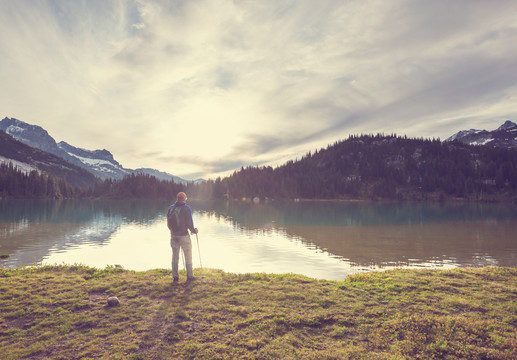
{"x":200,"y":88}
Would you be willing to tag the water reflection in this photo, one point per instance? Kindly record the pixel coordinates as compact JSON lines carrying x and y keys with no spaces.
{"x":368,"y":236}
{"x":478,"y":244}
{"x":328,"y":213}
{"x":319,"y":239}
{"x":32,"y":230}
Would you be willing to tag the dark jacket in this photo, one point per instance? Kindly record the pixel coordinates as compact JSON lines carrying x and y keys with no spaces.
{"x":185,"y":215}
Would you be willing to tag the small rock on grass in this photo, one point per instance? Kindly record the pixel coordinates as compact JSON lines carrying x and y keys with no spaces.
{"x":113,"y":301}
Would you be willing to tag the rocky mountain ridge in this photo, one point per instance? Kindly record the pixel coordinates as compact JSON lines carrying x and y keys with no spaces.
{"x":100,"y":163}
{"x":504,"y":136}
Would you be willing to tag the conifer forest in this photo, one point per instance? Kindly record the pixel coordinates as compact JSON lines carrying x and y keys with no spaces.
{"x":361,"y":167}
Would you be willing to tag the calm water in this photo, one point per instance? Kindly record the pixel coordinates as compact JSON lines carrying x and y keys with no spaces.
{"x":327,"y":240}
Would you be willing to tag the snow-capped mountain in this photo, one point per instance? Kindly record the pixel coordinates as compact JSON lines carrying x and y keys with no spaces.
{"x":98,"y":162}
{"x":28,"y":158}
{"x":504,"y":136}
{"x":102,"y":166}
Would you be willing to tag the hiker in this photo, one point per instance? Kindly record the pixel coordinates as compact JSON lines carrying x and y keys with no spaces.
{"x":179,"y":221}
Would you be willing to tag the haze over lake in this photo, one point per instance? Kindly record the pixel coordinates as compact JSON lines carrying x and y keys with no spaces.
{"x":327,"y":240}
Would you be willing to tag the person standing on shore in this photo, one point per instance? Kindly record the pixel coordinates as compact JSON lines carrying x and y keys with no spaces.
{"x":179,"y":222}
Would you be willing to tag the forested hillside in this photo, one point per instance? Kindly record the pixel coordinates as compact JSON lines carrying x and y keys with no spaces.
{"x":390,"y":167}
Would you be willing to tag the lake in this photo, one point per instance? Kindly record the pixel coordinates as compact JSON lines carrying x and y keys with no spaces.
{"x":325,"y":240}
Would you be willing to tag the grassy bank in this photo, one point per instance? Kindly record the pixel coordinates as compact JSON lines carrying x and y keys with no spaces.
{"x":61,"y":313}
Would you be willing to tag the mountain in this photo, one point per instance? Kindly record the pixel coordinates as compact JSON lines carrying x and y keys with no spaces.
{"x":98,"y":162}
{"x":504,"y":136}
{"x":28,"y":158}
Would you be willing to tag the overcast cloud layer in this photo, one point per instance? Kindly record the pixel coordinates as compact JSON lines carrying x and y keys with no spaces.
{"x":201,"y":87}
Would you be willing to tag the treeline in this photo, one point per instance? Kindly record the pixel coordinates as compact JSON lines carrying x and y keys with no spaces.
{"x":15,"y":183}
{"x":361,"y":167}
{"x":135,"y":186}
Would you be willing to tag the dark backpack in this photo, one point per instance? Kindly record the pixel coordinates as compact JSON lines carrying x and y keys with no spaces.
{"x":174,"y":218}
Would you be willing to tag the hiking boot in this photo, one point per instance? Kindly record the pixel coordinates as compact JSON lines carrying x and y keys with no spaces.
{"x":191,"y":278}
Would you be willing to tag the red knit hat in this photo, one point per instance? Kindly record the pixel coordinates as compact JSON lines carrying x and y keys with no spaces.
{"x":181,"y":196}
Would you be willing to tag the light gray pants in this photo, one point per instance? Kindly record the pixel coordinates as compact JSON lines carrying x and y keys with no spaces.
{"x":178,"y":243}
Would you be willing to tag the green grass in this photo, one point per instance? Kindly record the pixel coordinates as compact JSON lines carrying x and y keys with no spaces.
{"x":60,"y":312}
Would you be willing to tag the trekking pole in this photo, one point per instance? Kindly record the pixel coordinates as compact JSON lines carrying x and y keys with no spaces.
{"x":199,"y":253}
{"x":183,"y":257}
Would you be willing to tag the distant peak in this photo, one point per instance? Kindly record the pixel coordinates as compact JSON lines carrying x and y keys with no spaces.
{"x":507,"y":124}
{"x":463,"y":133}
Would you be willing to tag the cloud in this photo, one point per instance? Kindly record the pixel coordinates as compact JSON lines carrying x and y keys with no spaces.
{"x":222,"y":165}
{"x":202,"y":86}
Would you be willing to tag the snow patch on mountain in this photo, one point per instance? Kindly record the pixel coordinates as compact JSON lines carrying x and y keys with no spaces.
{"x":482,"y":141}
{"x":14,"y":131}
{"x":26,"y":168}
{"x":100,"y":162}
{"x":105,"y":167}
